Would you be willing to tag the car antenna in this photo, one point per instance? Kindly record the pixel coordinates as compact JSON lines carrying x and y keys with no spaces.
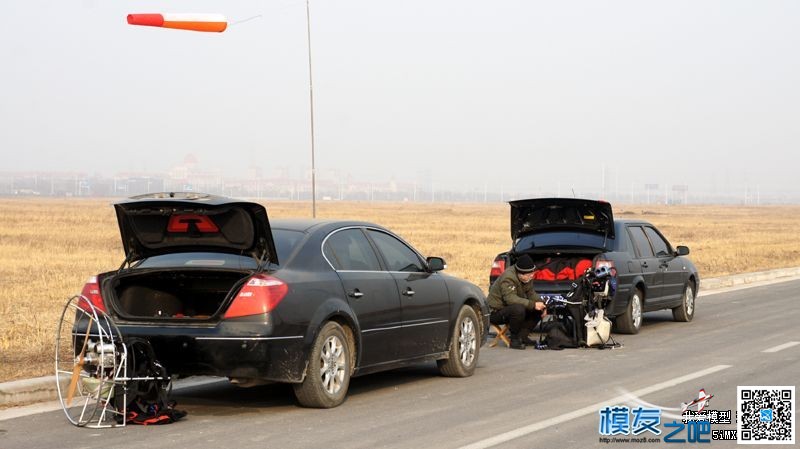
{"x":573,"y":192}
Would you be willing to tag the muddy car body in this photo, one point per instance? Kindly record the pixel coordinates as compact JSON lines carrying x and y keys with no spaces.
{"x":220,"y":290}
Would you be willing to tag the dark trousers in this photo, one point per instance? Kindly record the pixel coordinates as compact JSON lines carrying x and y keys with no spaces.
{"x":519,"y":319}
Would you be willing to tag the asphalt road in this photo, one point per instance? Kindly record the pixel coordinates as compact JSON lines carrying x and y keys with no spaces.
{"x":516,"y":399}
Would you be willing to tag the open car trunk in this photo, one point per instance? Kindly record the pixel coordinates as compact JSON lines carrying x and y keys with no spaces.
{"x":556,"y":273}
{"x":174,"y":294}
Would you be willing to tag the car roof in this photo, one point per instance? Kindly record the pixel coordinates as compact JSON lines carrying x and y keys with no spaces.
{"x":628,"y":221}
{"x":311,"y":224}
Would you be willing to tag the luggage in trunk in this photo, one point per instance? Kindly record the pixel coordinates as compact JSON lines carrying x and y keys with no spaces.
{"x":562,"y":268}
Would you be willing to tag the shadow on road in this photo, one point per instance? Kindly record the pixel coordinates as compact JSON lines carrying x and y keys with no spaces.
{"x":222,"y":398}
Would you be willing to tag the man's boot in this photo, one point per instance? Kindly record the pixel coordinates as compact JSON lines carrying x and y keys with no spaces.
{"x":516,"y":343}
{"x":524,"y":337}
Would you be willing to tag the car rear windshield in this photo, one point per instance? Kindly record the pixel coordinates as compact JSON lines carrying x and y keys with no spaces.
{"x":285,"y":243}
{"x":561,"y":240}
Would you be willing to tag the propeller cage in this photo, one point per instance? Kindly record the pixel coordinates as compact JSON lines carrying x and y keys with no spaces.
{"x":92,"y":367}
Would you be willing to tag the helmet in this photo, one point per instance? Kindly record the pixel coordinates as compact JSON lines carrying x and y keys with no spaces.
{"x":602,"y":271}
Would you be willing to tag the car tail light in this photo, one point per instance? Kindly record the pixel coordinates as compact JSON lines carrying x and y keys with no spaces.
{"x":498,"y":267}
{"x":91,"y":290}
{"x":261,"y":294}
{"x":188,"y":222}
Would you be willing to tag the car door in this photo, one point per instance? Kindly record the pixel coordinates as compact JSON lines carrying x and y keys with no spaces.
{"x":671,"y":267}
{"x":371,"y":292}
{"x":423,"y":295}
{"x":648,"y":263}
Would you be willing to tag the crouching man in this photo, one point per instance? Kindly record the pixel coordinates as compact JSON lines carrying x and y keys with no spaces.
{"x":513,"y":301}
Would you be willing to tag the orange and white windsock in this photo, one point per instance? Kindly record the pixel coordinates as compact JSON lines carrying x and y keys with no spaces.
{"x":214,"y":23}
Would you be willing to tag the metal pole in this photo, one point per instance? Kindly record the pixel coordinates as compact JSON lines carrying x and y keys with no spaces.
{"x":311,"y":99}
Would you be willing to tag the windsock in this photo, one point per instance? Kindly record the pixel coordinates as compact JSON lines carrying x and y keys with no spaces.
{"x":214,"y":23}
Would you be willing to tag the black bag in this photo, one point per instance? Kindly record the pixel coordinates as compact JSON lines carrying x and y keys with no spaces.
{"x":148,"y":401}
{"x":558,"y":334}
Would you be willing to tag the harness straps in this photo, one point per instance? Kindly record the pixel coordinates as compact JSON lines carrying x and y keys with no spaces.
{"x":148,"y":400}
{"x":153,"y":415}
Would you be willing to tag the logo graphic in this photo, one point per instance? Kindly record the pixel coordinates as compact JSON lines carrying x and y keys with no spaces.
{"x":701,"y":402}
{"x":642,"y":422}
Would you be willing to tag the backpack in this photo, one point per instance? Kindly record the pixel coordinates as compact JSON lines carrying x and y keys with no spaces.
{"x":148,"y":400}
{"x":558,"y":333}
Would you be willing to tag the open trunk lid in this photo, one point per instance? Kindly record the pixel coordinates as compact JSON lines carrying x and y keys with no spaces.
{"x":177,"y":222}
{"x":561,"y":214}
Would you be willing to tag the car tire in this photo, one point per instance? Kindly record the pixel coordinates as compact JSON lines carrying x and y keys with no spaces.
{"x":631,"y":321}
{"x":462,"y":356}
{"x":329,"y":368}
{"x":685,"y":311}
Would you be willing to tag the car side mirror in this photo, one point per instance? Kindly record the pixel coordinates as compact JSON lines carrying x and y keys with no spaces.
{"x":683,"y":250}
{"x":436,"y":263}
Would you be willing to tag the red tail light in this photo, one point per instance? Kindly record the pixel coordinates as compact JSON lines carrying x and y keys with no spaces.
{"x":498,"y":267}
{"x":261,"y":294}
{"x":91,"y":290}
{"x":184,"y":223}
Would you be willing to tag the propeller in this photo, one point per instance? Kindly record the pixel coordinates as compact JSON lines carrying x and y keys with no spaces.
{"x":76,"y":370}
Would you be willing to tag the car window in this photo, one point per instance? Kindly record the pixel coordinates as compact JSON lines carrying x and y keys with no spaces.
{"x":398,"y":256}
{"x":640,"y":241}
{"x":285,"y":242}
{"x":350,"y":250}
{"x":205,"y":260}
{"x":660,"y":246}
{"x":561,"y":239}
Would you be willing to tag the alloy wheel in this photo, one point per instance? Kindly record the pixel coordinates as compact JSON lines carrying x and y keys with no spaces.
{"x":689,"y":300}
{"x":636,"y":311}
{"x":467,"y":341}
{"x":334,"y":364}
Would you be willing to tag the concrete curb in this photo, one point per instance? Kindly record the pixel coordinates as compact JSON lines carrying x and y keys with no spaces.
{"x":44,"y":388}
{"x":25,"y":391}
{"x":748,"y":278}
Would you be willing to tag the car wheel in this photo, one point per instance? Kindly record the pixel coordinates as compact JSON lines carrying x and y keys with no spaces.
{"x":328,"y":372}
{"x":685,"y":311}
{"x":464,"y":347}
{"x":631,"y":321}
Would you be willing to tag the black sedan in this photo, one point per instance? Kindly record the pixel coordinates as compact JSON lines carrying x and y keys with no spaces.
{"x":565,"y":236}
{"x":219,"y":290}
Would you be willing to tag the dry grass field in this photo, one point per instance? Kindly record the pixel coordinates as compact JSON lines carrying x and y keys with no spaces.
{"x":48,"y":247}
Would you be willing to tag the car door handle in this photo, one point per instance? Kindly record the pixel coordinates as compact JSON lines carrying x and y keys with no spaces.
{"x":409,"y":292}
{"x":355,"y":294}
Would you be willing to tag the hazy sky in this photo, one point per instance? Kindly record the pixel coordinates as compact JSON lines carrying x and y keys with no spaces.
{"x":520,"y":93}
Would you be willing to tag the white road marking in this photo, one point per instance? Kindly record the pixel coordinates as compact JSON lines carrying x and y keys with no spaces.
{"x":594,"y":408}
{"x":782,"y":347}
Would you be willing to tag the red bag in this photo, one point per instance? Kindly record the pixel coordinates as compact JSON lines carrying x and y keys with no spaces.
{"x":566,"y":273}
{"x":581,"y":266}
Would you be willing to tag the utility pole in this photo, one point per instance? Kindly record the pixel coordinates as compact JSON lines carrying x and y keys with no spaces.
{"x":311,"y":99}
